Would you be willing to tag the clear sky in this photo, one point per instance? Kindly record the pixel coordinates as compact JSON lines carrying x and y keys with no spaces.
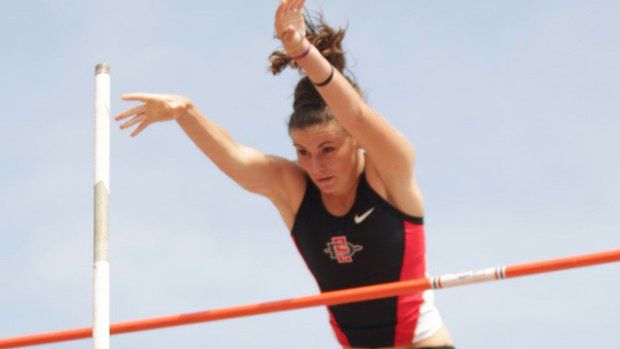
{"x":512,"y":107}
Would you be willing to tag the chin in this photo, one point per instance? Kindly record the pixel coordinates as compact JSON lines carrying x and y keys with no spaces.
{"x":327,"y":190}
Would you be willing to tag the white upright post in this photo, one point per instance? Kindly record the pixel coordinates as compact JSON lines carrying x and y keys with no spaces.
{"x":101,"y":270}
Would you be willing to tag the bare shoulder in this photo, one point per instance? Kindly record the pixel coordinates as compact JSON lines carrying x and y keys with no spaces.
{"x":405,"y":195}
{"x":289,"y":188}
{"x":293,"y":182}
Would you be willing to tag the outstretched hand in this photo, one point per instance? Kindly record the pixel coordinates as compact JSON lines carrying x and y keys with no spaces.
{"x":156,"y":108}
{"x":290,"y":26}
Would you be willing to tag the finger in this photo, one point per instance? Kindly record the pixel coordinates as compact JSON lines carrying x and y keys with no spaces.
{"x":298,"y":4}
{"x":144,"y":97}
{"x":282,"y":28}
{"x":140,"y":128}
{"x":137,"y":119}
{"x":281,"y":6}
{"x":129,"y":112}
{"x":280,"y":17}
{"x":287,"y":5}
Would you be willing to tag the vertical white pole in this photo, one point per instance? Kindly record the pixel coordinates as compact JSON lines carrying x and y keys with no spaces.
{"x":101,"y":275}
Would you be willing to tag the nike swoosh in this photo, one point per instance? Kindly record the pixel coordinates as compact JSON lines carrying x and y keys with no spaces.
{"x":360,"y":219}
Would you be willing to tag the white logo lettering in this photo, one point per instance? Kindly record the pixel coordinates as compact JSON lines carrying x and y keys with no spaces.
{"x":360,"y":219}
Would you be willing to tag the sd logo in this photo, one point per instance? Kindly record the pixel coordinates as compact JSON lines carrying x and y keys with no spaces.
{"x":341,"y":250}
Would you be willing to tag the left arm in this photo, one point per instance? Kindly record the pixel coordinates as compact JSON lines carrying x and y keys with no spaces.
{"x":373,"y":132}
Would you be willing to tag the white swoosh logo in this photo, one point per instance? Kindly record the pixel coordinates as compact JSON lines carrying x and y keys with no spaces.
{"x":360,"y":219}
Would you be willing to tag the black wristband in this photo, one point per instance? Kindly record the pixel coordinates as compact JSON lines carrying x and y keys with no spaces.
{"x":327,"y":81}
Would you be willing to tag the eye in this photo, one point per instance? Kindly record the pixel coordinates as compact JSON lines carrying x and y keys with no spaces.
{"x":302,"y":152}
{"x":328,"y":149}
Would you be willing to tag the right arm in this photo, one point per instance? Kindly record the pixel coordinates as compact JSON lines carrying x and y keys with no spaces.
{"x":279,"y":179}
{"x":254,"y":171}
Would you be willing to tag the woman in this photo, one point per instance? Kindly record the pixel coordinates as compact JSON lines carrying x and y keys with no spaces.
{"x":356,"y":217}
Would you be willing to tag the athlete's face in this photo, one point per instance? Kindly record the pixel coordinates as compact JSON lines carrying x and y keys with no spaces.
{"x":328,"y":154}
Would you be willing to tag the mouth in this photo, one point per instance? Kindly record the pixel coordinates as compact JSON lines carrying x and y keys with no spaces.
{"x":324,"y":180}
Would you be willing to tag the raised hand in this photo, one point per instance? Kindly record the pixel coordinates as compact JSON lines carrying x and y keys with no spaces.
{"x":290,"y":26}
{"x":156,"y":108}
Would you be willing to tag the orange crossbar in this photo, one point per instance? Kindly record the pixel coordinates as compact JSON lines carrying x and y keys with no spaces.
{"x":328,"y":298}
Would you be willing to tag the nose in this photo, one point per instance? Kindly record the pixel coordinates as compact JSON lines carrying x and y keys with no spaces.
{"x":317,"y":165}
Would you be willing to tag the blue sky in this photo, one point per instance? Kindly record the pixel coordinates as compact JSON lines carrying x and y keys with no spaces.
{"x":512,"y":107}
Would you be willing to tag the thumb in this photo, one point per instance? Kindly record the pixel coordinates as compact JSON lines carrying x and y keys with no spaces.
{"x":290,"y":34}
{"x":178,"y":110}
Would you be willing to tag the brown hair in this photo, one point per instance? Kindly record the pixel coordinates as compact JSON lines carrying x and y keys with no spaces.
{"x":309,"y":108}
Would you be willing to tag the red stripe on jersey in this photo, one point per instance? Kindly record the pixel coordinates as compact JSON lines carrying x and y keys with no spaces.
{"x":414,"y":266}
{"x":342,"y":338}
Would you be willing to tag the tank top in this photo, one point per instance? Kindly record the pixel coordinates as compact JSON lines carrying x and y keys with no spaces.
{"x":373,"y":243}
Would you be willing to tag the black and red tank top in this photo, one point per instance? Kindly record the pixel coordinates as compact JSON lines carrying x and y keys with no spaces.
{"x":373,"y":243}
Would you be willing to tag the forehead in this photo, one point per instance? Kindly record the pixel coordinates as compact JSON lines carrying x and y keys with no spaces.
{"x":315,"y":135}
